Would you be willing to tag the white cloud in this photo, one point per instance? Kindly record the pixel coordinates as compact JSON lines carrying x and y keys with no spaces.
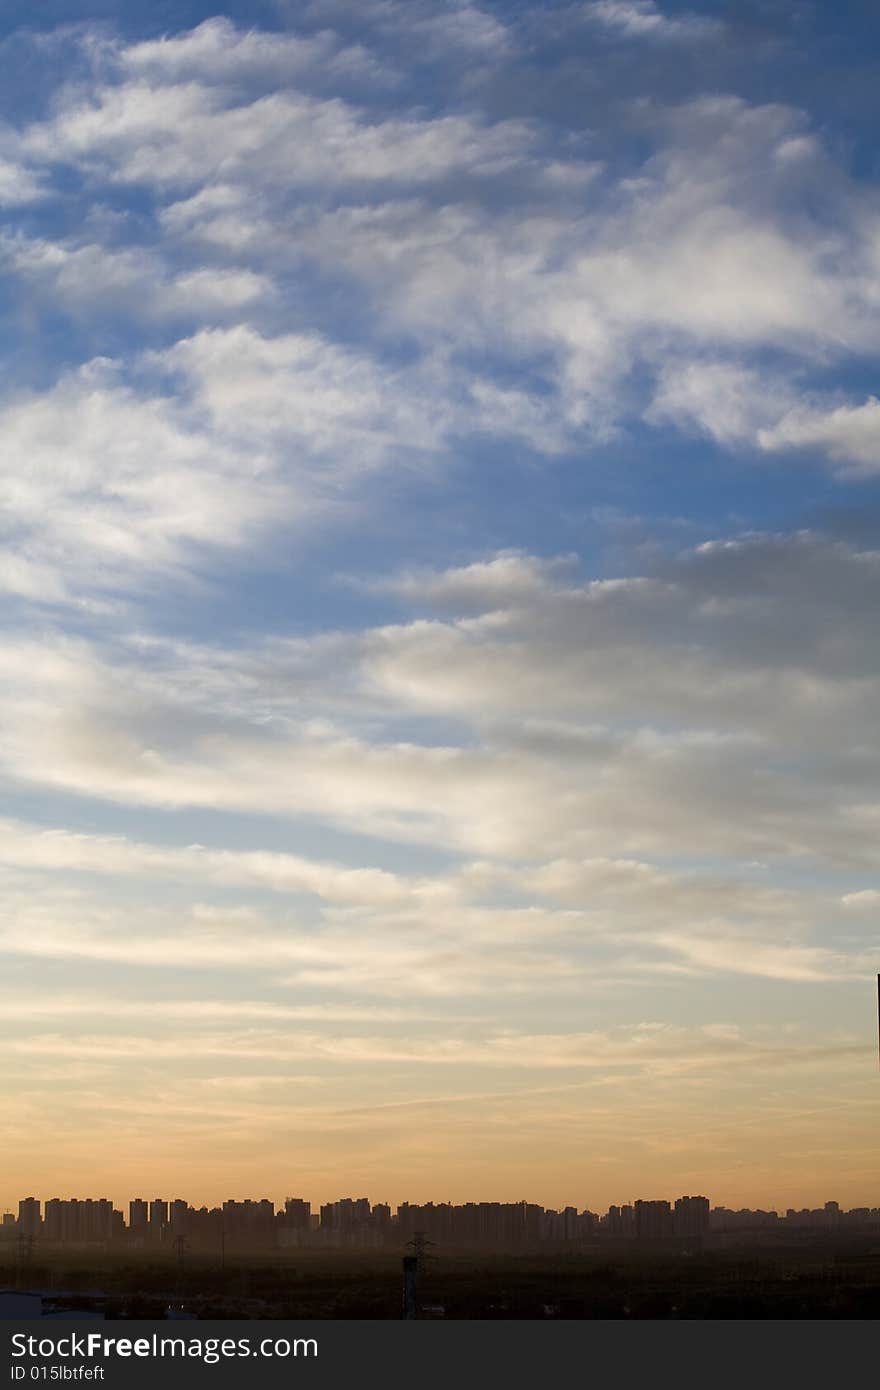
{"x":650,"y":1050}
{"x":98,"y":481}
{"x":94,"y":1007}
{"x":849,"y":435}
{"x":503,"y":581}
{"x":341,"y":407}
{"x":703,"y":257}
{"x":702,"y":706}
{"x":18,"y":184}
{"x":32,"y":848}
{"x":867,"y":898}
{"x":422,"y":30}
{"x":642,"y":19}
{"x":447,"y":936}
{"x":728,"y":400}
{"x":179,"y":134}
{"x":90,"y":280}
{"x":752,"y":956}
{"x":108,"y":475}
{"x":592,"y":282}
{"x":216,"y":52}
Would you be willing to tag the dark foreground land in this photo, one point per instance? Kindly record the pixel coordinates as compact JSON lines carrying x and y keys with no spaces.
{"x":829,"y":1282}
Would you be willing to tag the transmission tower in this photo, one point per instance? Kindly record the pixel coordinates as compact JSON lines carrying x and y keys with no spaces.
{"x":419,"y":1246}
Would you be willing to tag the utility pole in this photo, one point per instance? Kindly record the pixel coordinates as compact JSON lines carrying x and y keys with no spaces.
{"x":410,"y":1292}
{"x":180,"y":1246}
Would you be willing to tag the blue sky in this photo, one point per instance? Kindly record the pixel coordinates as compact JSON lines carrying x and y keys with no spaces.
{"x":440,"y":574}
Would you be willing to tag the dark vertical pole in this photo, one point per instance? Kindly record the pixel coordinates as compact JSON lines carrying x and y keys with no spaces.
{"x":410,"y":1269}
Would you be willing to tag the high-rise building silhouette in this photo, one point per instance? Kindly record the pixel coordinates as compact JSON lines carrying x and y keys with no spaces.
{"x":298,"y":1214}
{"x":653,"y":1219}
{"x":138,"y":1216}
{"x":158,"y":1218}
{"x":29,"y":1221}
{"x":691,"y":1216}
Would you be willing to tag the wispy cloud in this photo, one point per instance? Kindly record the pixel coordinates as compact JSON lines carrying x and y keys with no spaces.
{"x":643,"y":19}
{"x":344,"y":732}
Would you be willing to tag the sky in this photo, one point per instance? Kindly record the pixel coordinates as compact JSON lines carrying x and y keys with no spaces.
{"x":439,"y":677}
